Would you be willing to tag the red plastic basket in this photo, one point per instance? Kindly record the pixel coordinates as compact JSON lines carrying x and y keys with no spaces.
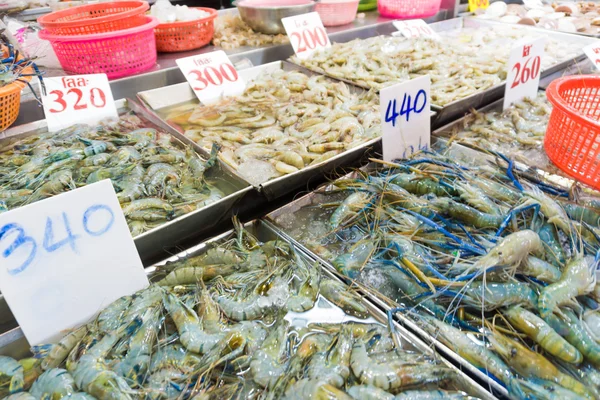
{"x":116,"y":54}
{"x":95,"y":18}
{"x":408,"y":8}
{"x":186,"y":35}
{"x":337,"y":13}
{"x":572,"y":139}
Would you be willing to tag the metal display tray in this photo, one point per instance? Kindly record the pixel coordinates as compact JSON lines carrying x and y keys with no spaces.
{"x":153,"y":243}
{"x":158,"y":99}
{"x":315,"y":198}
{"x":472,"y":16}
{"x":14,"y":344}
{"x":459,"y":108}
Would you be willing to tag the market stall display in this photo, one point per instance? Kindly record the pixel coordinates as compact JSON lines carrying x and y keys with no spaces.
{"x":573,"y":16}
{"x":464,"y":248}
{"x":159,"y":181}
{"x":231,"y":32}
{"x":268,"y":322}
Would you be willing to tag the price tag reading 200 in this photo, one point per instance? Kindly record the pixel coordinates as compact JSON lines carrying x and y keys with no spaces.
{"x":63,"y":258}
{"x":77,"y":99}
{"x":524,"y":70}
{"x":306,"y":33}
{"x":211,"y":76}
{"x":405,"y":118}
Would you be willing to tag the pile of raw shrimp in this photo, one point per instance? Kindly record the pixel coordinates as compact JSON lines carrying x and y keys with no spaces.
{"x":283,"y":122}
{"x":231,"y":323}
{"x":461,"y":63}
{"x":156,"y":179}
{"x":498,"y":266}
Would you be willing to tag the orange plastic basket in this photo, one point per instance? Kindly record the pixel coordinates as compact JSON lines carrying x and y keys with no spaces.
{"x":186,"y":35}
{"x":572,"y":139}
{"x":10,"y":100}
{"x":95,"y":18}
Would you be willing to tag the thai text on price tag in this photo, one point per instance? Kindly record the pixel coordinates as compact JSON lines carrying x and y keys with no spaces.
{"x":65,"y":258}
{"x":405,"y":118}
{"x":524,"y":70}
{"x":77,"y":99}
{"x":414,"y":28}
{"x":593,"y":53}
{"x":307,"y":33}
{"x":211,"y":76}
{"x":478,"y":4}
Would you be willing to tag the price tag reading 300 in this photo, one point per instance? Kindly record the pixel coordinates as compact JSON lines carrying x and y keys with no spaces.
{"x":593,"y":53}
{"x":524,"y":70}
{"x":306,"y":33}
{"x":77,"y":99}
{"x":211,"y":76}
{"x":405,"y":118}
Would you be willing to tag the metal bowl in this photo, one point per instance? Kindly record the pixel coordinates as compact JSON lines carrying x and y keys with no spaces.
{"x":267,"y":18}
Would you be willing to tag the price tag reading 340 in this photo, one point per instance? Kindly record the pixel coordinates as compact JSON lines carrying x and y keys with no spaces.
{"x":524,"y":70}
{"x":593,"y":53}
{"x":405,"y":118}
{"x":77,"y":99}
{"x":65,"y":258}
{"x":307,"y":33}
{"x":413,"y":28}
{"x":211,"y":76}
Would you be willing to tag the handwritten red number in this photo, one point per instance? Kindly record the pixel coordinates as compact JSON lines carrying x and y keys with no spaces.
{"x":60,"y":100}
{"x":101,"y":96}
{"x":523,"y":75}
{"x":309,"y":39}
{"x":215,"y":76}
{"x":199,"y":78}
{"x":79,"y":95}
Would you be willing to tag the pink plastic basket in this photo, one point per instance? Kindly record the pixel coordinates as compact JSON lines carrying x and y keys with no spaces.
{"x":337,"y":13}
{"x":408,"y":8}
{"x":116,"y":54}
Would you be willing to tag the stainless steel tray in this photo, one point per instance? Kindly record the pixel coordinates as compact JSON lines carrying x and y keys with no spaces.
{"x":154,"y":243}
{"x":157,"y":99}
{"x":472,"y":16}
{"x":459,"y":108}
{"x":315,"y":198}
{"x":14,"y":344}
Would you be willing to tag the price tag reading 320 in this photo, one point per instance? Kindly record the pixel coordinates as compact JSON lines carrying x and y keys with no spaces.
{"x":414,"y":28}
{"x":405,"y":118}
{"x":211,"y":76}
{"x":524,"y":70}
{"x":593,"y":53}
{"x":307,"y":33}
{"x":65,"y":258}
{"x":77,"y":99}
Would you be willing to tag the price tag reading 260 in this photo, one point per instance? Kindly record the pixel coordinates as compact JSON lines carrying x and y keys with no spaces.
{"x":211,"y":76}
{"x":306,"y":33}
{"x":77,"y":99}
{"x":405,"y":118}
{"x":524,"y":70}
{"x":593,"y":53}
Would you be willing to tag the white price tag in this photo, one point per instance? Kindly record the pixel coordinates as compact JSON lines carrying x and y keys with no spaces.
{"x":405,"y":118}
{"x":414,"y":28}
{"x":524,"y":70}
{"x":307,"y":33}
{"x":65,"y":258}
{"x":593,"y":53}
{"x":77,"y":99}
{"x":211,"y":76}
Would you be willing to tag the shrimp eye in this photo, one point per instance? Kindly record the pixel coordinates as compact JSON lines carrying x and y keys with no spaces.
{"x":513,"y":352}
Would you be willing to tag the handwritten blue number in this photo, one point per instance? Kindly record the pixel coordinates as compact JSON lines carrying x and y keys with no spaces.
{"x":18,"y":242}
{"x":49,"y":246}
{"x":88,"y":213}
{"x":391,"y":112}
{"x":391,"y":107}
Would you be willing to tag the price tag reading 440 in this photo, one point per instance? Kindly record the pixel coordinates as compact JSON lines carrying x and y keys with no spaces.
{"x":77,"y":99}
{"x":65,"y":258}
{"x":593,"y":53}
{"x":524,"y":70}
{"x":405,"y":118}
{"x":211,"y":76}
{"x":414,"y":28}
{"x":306,"y":33}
